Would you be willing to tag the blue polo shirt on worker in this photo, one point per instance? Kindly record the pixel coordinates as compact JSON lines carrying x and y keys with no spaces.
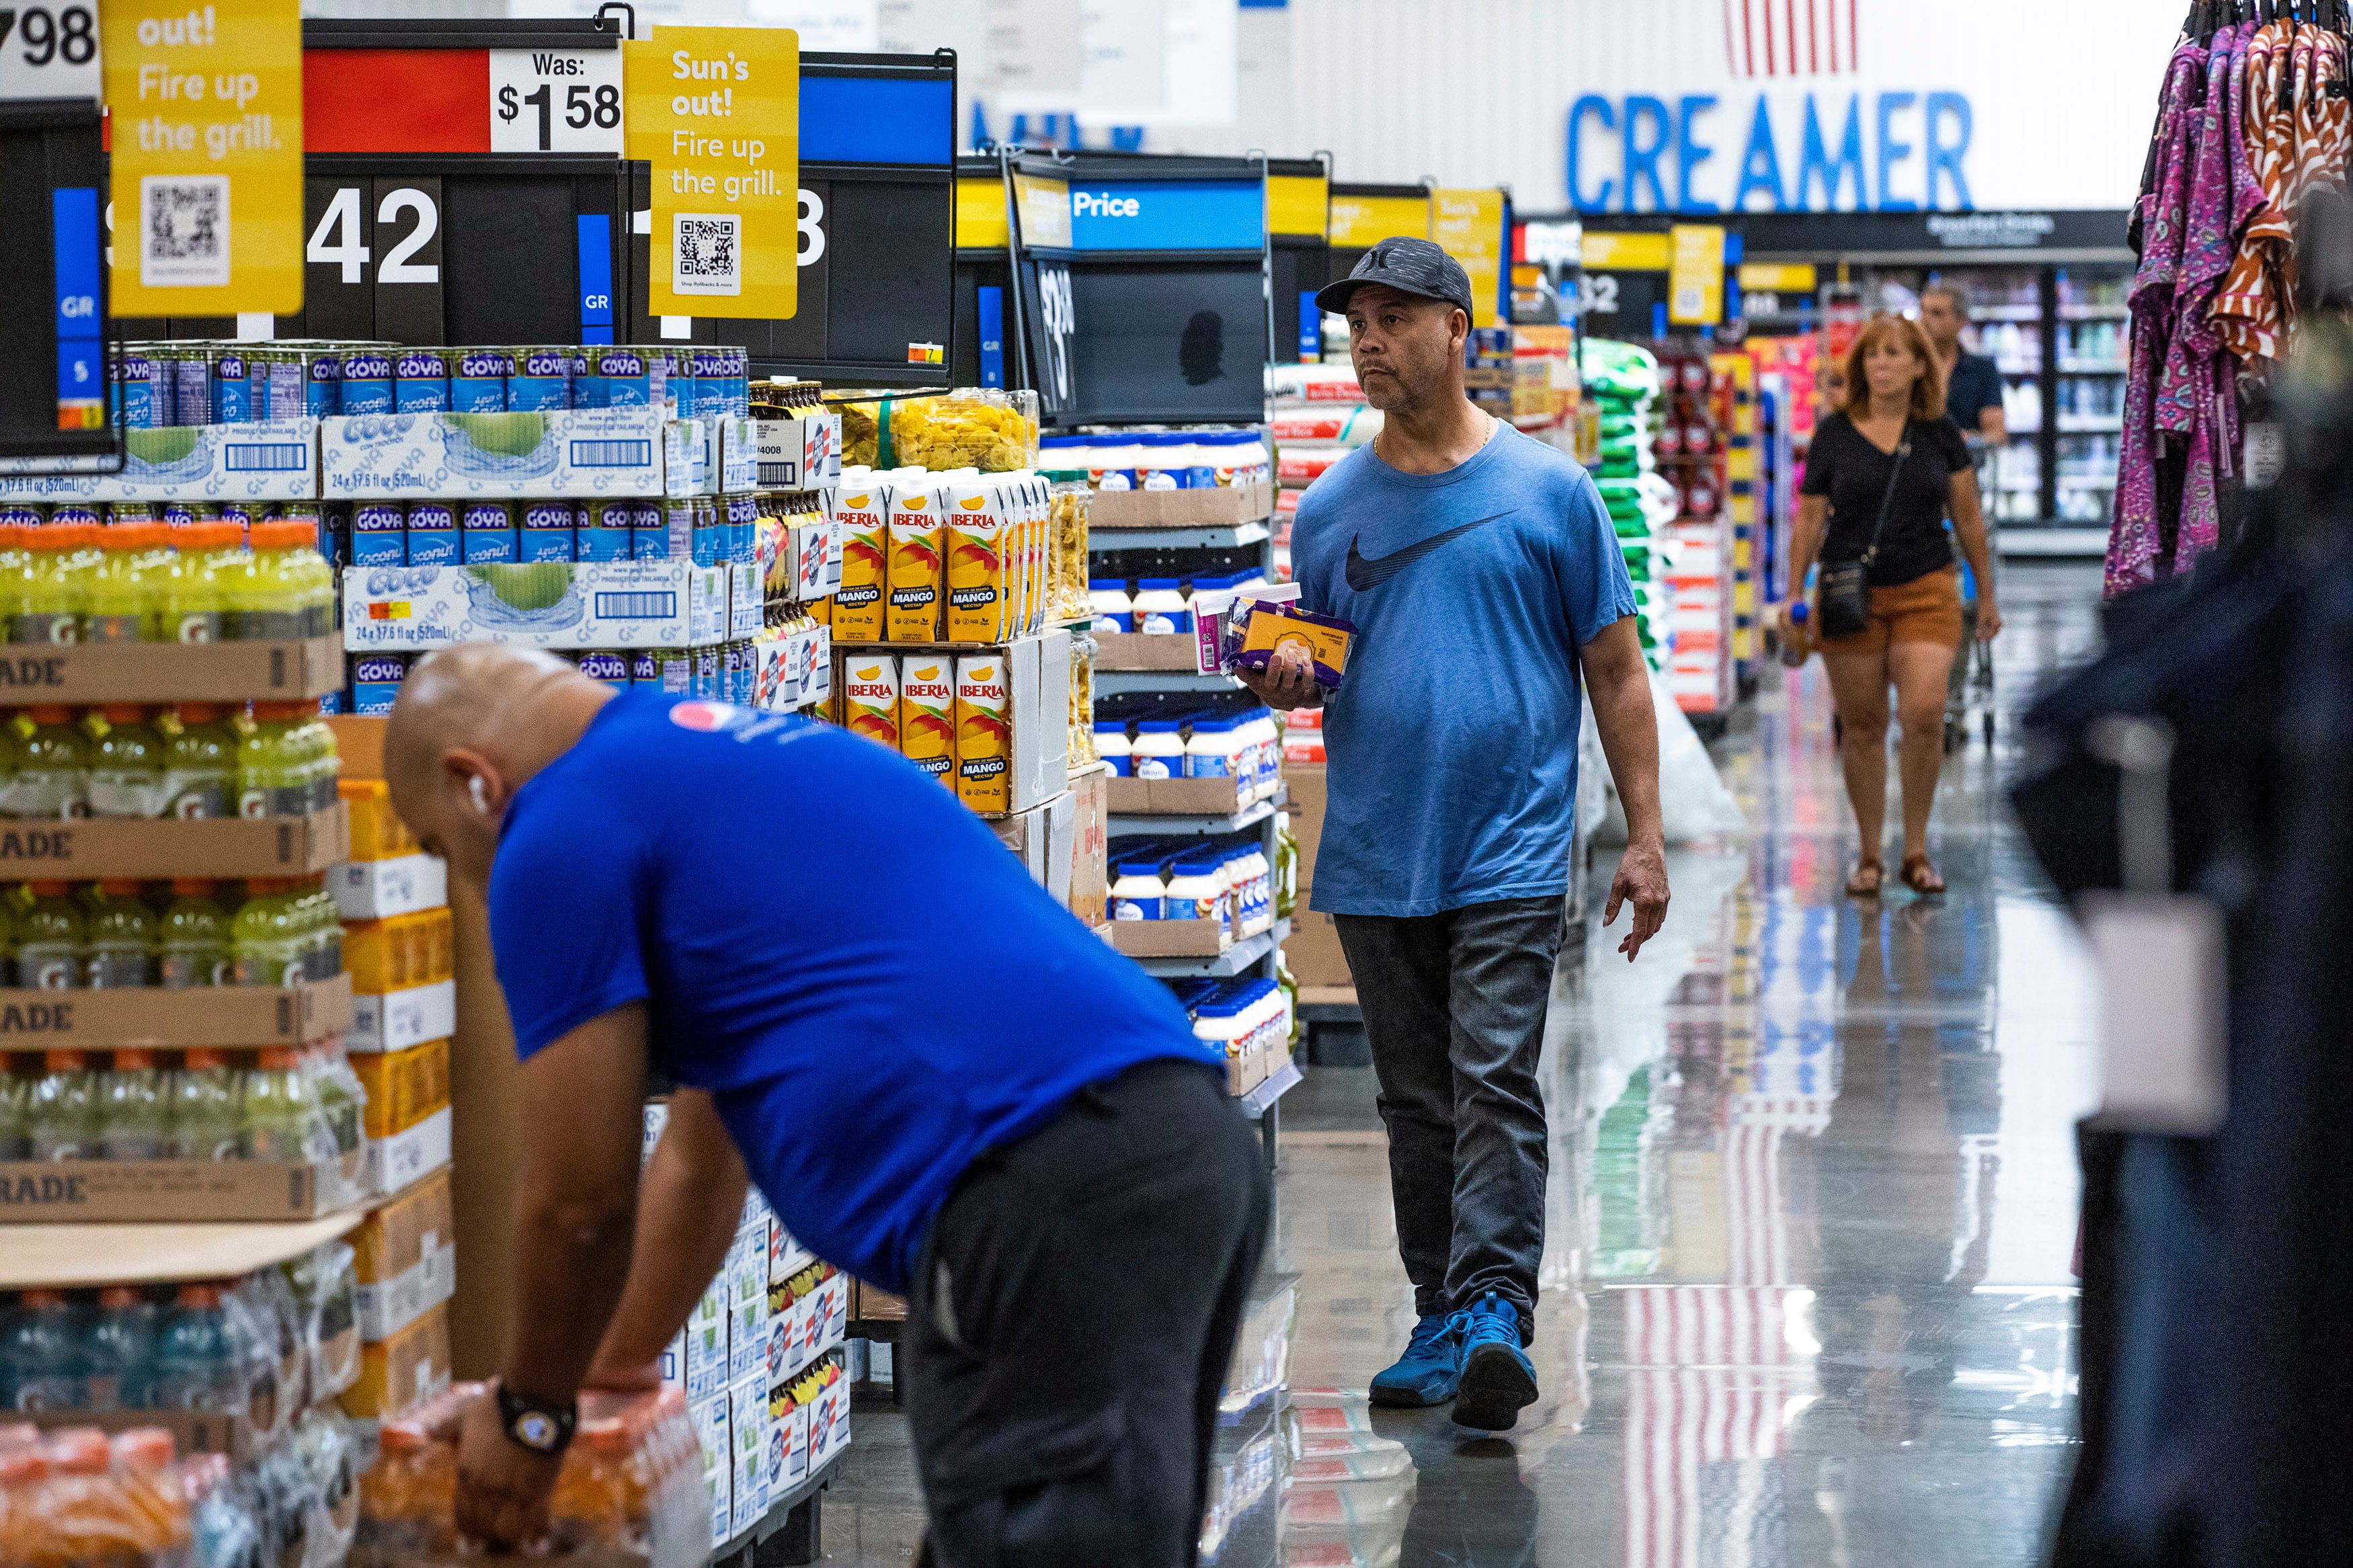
{"x":873,"y":991}
{"x":1452,"y":739}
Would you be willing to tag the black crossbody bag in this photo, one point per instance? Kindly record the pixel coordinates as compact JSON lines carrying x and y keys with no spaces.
{"x":1842,"y":592}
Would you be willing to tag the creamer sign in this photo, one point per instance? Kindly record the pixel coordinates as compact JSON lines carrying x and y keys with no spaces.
{"x":1780,"y":149}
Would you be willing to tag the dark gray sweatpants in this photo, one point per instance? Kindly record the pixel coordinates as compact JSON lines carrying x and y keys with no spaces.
{"x":1454,"y":1008}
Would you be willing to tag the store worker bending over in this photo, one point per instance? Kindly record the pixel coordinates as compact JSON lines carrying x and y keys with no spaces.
{"x":1484,"y":579}
{"x":944,"y":1083}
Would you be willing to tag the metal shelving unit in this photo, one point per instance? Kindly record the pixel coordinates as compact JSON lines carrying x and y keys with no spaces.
{"x":1183,"y":551}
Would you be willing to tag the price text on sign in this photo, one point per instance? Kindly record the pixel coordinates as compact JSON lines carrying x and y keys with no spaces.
{"x":48,"y":51}
{"x":716,"y":112}
{"x":552,"y":101}
{"x":206,"y":105}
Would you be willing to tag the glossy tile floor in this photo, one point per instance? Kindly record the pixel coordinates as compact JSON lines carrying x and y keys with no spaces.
{"x":1806,"y":1289}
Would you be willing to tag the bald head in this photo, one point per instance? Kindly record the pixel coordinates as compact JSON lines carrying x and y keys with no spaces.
{"x":471,"y":725}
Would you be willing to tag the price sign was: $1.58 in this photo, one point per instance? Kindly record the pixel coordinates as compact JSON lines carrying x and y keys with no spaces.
{"x":555,"y":101}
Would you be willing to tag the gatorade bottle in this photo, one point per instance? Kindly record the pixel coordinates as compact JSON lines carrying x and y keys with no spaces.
{"x":155,"y":562}
{"x":340,"y":1093}
{"x":283,"y":1121}
{"x":43,"y":605}
{"x":323,"y":923}
{"x":48,"y":937}
{"x":16,"y":1121}
{"x":52,"y":765}
{"x":118,"y":936}
{"x":135,"y":1109}
{"x":118,"y":1348}
{"x":199,"y":1365}
{"x":284,"y":589}
{"x":15,"y":578}
{"x":111,"y":614}
{"x":192,"y":938}
{"x":315,"y":742}
{"x":38,"y":1356}
{"x":199,"y":761}
{"x":194,"y":598}
{"x":207,"y":1107}
{"x":65,"y":1108}
{"x":268,"y":941}
{"x":275,"y":761}
{"x":126,"y":761}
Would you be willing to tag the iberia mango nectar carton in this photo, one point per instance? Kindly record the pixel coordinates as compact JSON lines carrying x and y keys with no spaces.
{"x":917,"y":537}
{"x":869,"y":697}
{"x":927,"y":721}
{"x":865,"y":512}
{"x":978,"y":577}
{"x":984,"y":730}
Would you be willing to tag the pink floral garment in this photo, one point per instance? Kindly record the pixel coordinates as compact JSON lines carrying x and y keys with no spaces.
{"x":2133,"y":536}
{"x":2197,"y":401}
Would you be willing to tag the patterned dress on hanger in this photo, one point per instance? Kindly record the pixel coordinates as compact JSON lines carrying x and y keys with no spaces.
{"x":2133,"y":538}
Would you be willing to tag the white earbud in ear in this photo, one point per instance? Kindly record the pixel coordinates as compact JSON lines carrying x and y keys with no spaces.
{"x":481,"y":796}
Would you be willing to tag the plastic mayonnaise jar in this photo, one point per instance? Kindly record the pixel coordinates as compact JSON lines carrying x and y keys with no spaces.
{"x":1112,"y":746}
{"x":1139,"y":894}
{"x":1158,"y":752}
{"x":1158,"y":607}
{"x":1209,"y":755}
{"x":1193,"y":893}
{"x":1112,"y":606}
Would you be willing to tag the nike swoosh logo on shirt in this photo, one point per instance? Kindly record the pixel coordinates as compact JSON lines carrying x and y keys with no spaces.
{"x":1366,"y":573}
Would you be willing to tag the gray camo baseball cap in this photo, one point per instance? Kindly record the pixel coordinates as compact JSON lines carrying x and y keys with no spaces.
{"x":1409,"y":266}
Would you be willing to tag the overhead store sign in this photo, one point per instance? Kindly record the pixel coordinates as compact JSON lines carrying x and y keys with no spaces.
{"x":206,"y":105}
{"x":1299,"y":204}
{"x":1695,"y":274}
{"x":1761,"y":105}
{"x":716,"y":112}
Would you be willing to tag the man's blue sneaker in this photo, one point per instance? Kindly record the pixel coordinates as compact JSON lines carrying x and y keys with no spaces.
{"x":1497,"y":1380}
{"x":1429,"y":1369}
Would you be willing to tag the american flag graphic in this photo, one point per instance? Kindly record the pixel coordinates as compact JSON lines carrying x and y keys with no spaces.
{"x":1790,"y":37}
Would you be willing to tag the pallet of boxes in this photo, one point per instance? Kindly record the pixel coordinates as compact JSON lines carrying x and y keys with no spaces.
{"x":184,"y":1145}
{"x":761,"y":1368}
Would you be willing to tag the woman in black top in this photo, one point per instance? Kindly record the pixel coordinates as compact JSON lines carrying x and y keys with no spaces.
{"x":1895,"y":396}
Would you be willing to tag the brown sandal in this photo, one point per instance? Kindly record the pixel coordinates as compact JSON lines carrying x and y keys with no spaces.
{"x":1920,"y":874}
{"x":1871,"y":869}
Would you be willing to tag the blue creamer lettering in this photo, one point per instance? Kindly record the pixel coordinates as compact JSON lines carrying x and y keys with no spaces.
{"x":41,"y":1191}
{"x":36,"y":843}
{"x":37,"y":1018}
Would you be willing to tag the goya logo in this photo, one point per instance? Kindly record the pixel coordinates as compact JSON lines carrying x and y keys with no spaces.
{"x":709,"y":716}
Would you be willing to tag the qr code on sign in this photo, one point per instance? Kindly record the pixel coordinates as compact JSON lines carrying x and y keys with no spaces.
{"x":707,"y":254}
{"x":184,"y":231}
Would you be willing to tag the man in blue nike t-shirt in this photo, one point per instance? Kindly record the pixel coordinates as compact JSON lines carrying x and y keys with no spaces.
{"x":1483,"y":577}
{"x":942,"y":1081}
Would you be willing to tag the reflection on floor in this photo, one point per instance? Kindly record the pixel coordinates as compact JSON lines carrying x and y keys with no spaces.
{"x":1806,"y":1291}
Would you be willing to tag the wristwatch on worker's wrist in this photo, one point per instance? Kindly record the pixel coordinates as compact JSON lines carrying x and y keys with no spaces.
{"x":535,"y":1424}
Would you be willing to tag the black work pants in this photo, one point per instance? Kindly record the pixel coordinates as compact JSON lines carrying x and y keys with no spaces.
{"x":1072,"y":1317}
{"x":1454,"y":1010}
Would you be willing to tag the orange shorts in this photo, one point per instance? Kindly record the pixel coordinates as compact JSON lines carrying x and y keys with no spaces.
{"x":1927,"y":609}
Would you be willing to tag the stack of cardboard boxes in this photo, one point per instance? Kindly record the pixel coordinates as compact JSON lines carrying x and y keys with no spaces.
{"x":760,"y":1366}
{"x":1312,"y":953}
{"x":399,"y":948}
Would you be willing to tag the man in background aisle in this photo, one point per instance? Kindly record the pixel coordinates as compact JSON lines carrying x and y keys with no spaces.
{"x":1484,"y":576}
{"x":1012,"y":1125}
{"x":1972,"y":381}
